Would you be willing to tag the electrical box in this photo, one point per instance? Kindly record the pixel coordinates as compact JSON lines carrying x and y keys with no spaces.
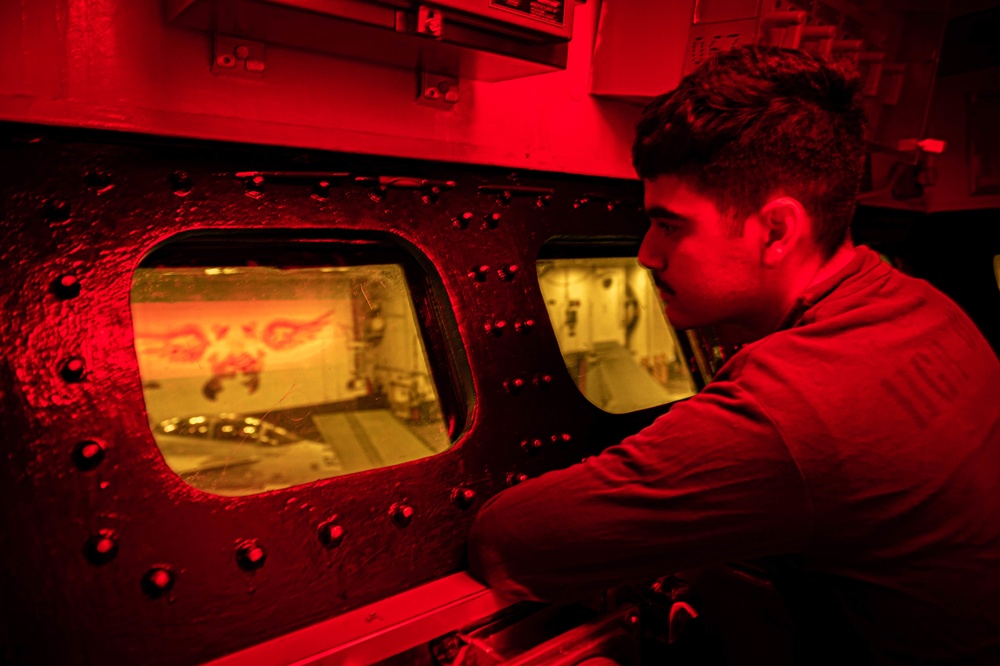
{"x":488,"y":40}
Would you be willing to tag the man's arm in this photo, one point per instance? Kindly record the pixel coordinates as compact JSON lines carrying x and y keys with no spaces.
{"x":709,"y":482}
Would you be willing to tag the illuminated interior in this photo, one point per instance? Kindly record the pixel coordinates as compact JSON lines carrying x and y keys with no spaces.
{"x":618,"y":347}
{"x":257,"y":378}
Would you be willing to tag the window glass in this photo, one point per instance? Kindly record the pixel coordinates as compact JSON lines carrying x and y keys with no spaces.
{"x":616,"y":342}
{"x":257,"y":377}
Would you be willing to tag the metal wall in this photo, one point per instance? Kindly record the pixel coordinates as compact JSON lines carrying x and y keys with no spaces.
{"x":111,"y":557}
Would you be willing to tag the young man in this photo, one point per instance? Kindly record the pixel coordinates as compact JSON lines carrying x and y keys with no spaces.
{"x":854,"y":439}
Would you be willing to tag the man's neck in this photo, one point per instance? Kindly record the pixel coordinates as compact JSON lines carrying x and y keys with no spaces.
{"x":769,"y":318}
{"x":832,"y":266}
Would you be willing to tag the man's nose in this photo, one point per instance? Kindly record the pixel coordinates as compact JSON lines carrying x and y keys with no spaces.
{"x":648,"y":258}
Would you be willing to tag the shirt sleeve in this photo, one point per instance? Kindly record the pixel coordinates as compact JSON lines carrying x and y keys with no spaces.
{"x":707,"y":483}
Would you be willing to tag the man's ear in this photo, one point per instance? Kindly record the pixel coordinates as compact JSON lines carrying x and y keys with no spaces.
{"x":786,"y":226}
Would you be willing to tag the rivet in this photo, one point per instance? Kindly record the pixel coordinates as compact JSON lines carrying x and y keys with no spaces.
{"x":158,"y":580}
{"x":254,"y":187}
{"x":463,"y":497}
{"x":250,"y":555}
{"x":513,"y":386}
{"x":542,"y":381}
{"x":401,"y":514}
{"x":57,"y":210}
{"x":478,"y":273}
{"x":462,"y":221}
{"x":88,"y":454}
{"x":505,"y":197}
{"x":242,"y":51}
{"x":65,"y":287}
{"x":321,"y":190}
{"x":492,"y":221}
{"x":98,"y":177}
{"x":508,"y":272}
{"x":181,"y":182}
{"x":524,"y":325}
{"x":331,"y":534}
{"x":543,"y":201}
{"x":101,"y":548}
{"x":613,"y":204}
{"x":581,"y":202}
{"x":561,"y":438}
{"x":72,"y":369}
{"x":495,"y":328}
{"x":432,"y":195}
{"x":514,"y":478}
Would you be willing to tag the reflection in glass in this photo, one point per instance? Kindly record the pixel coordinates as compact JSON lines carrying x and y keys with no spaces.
{"x":614,"y":338}
{"x":257,"y":378}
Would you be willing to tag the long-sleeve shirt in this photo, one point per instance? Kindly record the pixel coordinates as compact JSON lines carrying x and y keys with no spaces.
{"x":862,"y":437}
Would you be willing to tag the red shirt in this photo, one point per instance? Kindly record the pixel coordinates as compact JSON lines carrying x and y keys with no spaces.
{"x":863,"y":437}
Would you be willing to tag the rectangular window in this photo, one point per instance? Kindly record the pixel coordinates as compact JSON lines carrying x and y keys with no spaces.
{"x":271,"y":367}
{"x":616,"y":342}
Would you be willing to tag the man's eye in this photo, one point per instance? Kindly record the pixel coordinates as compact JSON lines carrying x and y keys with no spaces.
{"x":665,"y":227}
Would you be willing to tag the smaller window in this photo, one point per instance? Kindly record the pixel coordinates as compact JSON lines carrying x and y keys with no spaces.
{"x":616,"y":342}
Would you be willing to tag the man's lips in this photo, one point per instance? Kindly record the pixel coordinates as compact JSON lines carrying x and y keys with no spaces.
{"x":664,"y":288}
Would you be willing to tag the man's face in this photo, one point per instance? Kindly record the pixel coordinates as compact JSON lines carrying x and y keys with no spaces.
{"x":704,"y":275}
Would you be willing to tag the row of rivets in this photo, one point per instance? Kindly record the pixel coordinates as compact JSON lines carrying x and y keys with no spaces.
{"x":102,"y":547}
{"x":506,"y":192}
{"x":610,"y":204}
{"x":534,"y":445}
{"x":498,"y":326}
{"x":480,"y":272}
{"x":57,"y":210}
{"x":541,"y":381}
{"x":490,"y":220}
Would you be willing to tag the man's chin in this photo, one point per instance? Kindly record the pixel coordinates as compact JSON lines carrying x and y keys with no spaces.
{"x":682,"y":322}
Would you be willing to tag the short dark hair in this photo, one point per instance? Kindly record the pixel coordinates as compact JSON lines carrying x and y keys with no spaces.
{"x":757,"y":121}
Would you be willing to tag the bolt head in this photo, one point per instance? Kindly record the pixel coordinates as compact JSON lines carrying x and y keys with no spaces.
{"x":401,"y":514}
{"x":101,"y":548}
{"x":88,"y":454}
{"x":57,"y":210}
{"x":463,"y":497}
{"x":331,"y":534}
{"x":158,"y":581}
{"x":250,"y":555}
{"x":72,"y":370}
{"x":65,"y":287}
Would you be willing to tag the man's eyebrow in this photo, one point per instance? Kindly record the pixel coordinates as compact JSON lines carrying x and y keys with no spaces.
{"x":661,"y":213}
